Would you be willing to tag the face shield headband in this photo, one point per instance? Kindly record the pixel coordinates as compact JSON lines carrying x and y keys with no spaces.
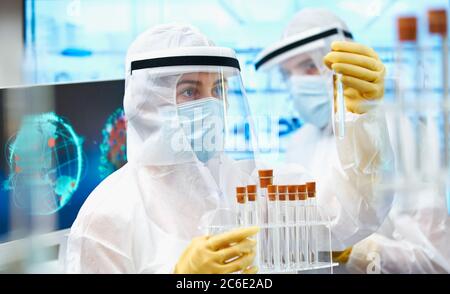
{"x":286,"y":46}
{"x":188,"y":60}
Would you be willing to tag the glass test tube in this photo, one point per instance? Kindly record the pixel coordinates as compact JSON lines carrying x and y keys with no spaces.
{"x":252,"y":205}
{"x":302,"y":229}
{"x":240,"y":197}
{"x":437,"y":24}
{"x":284,"y":233}
{"x":254,"y":219}
{"x":273,"y":244}
{"x":340,"y":107}
{"x":265,"y":179}
{"x":291,"y":216}
{"x":407,"y":33}
{"x":313,"y":219}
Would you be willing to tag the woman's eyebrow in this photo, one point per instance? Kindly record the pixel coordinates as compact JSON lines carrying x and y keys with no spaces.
{"x":189,"y":82}
{"x":220,"y":81}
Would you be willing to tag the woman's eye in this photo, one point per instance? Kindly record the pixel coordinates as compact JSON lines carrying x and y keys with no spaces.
{"x":188,"y":93}
{"x":217,"y":91}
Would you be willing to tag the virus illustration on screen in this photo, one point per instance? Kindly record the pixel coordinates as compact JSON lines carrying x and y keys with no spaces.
{"x":113,"y":148}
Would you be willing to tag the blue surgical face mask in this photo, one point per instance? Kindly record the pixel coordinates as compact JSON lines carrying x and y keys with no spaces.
{"x":311,"y":99}
{"x":203,"y":123}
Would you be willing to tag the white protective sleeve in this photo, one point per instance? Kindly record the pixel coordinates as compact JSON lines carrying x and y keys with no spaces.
{"x":417,"y":246}
{"x":416,"y":236}
{"x":365,"y":158}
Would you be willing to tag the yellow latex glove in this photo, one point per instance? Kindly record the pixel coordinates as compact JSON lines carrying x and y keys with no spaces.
{"x":342,"y":256}
{"x":362,"y":74}
{"x":212,"y":254}
{"x":366,"y":255}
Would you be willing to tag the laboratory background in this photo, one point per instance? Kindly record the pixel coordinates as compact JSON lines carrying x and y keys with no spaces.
{"x":62,"y":69}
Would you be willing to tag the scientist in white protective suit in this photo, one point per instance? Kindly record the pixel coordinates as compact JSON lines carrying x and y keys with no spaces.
{"x":181,"y":95}
{"x":415,"y":235}
{"x":348,"y":170}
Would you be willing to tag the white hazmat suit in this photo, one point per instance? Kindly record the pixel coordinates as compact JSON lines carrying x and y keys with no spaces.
{"x":347,"y":171}
{"x":142,"y":217}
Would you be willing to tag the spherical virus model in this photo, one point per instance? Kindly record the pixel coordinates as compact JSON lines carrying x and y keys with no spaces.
{"x":45,"y":159}
{"x":113,"y":153}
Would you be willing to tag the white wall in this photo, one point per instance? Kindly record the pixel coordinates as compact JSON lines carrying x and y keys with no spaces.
{"x":11,"y":42}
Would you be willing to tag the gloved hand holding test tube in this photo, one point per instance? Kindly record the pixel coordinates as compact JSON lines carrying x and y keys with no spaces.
{"x":358,"y":77}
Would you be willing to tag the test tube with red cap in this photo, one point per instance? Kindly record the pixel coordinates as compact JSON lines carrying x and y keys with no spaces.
{"x":302,"y":230}
{"x":274,"y":257}
{"x":437,"y":24}
{"x":313,"y":221}
{"x":407,"y":37}
{"x":251,"y":206}
{"x":265,"y":179}
{"x":241,"y":200}
{"x":291,"y":224}
{"x":253,"y":216}
{"x":283,"y":220}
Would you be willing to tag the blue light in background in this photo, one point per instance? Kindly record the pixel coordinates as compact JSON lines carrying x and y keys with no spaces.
{"x":74,"y":52}
{"x":79,"y":40}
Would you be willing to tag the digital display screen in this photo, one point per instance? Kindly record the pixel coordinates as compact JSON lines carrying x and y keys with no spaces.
{"x":53,"y":159}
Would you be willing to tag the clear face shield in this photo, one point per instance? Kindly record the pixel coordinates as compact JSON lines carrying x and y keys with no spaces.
{"x":198,"y":111}
{"x":189,"y":125}
{"x":294,"y":69}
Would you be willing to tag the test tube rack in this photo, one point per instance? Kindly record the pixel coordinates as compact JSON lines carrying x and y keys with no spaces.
{"x":294,"y":235}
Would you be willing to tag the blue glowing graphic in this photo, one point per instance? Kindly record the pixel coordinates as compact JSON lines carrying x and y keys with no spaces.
{"x":113,"y":153}
{"x":46,"y":162}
